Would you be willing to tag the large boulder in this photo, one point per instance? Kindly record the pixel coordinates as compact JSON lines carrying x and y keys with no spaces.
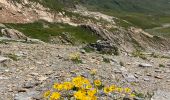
{"x":13,"y":34}
{"x":104,"y":47}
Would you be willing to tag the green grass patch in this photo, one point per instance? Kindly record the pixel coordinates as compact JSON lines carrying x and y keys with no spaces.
{"x":139,"y":54}
{"x":165,"y":32}
{"x":37,"y":30}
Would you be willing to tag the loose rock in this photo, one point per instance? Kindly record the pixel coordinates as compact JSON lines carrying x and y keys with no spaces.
{"x":3,"y":59}
{"x":145,"y":65}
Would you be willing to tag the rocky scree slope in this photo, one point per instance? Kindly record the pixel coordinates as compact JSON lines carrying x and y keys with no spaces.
{"x":27,"y":70}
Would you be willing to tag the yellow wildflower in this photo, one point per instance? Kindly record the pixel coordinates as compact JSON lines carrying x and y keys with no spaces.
{"x":112,"y":87}
{"x":55,"y":96}
{"x":91,"y":92}
{"x":127,"y":90}
{"x":119,"y":89}
{"x":97,"y":82}
{"x":46,"y":94}
{"x":67,"y":85}
{"x":78,"y":81}
{"x":60,"y":87}
{"x":107,"y":90}
{"x":79,"y":95}
{"x":86,"y":81}
{"x":85,"y":97}
{"x":55,"y":86}
{"x":88,"y":86}
{"x":93,"y":98}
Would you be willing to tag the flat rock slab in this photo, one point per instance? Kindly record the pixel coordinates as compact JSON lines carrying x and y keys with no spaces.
{"x":27,"y":95}
{"x":161,"y":95}
{"x":145,"y":65}
{"x":2,"y":59}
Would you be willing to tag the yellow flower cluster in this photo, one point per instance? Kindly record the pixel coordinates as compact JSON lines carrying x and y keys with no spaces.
{"x":54,"y":95}
{"x":64,"y":86}
{"x":85,"y":90}
{"x":115,"y":89}
{"x":82,"y":89}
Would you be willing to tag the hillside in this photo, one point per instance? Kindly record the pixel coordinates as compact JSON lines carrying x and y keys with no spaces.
{"x":144,"y":6}
{"x":84,"y":50}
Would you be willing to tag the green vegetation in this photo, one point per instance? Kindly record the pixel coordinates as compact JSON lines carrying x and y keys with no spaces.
{"x":140,"y":95}
{"x":142,"y":6}
{"x":2,"y":42}
{"x":88,"y":50}
{"x":106,"y":60}
{"x":122,"y":23}
{"x":38,"y":30}
{"x":139,"y":54}
{"x":140,"y":20}
{"x":75,"y":57}
{"x":161,"y":65}
{"x":166,"y":57}
{"x":13,"y":57}
{"x":165,"y":32}
{"x":145,"y":14}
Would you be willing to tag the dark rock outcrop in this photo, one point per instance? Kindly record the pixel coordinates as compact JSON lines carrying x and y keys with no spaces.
{"x":103,"y":47}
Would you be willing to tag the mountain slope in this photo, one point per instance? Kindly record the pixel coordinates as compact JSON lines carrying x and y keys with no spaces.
{"x":145,"y":6}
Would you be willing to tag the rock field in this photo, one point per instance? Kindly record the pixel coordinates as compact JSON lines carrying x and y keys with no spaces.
{"x":27,"y":70}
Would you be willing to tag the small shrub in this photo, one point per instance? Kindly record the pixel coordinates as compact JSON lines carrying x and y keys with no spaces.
{"x":106,"y":60}
{"x":2,"y":42}
{"x":161,"y":65}
{"x":75,"y":57}
{"x":167,"y":57}
{"x":139,"y":54}
{"x":140,"y":95}
{"x":13,"y":57}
